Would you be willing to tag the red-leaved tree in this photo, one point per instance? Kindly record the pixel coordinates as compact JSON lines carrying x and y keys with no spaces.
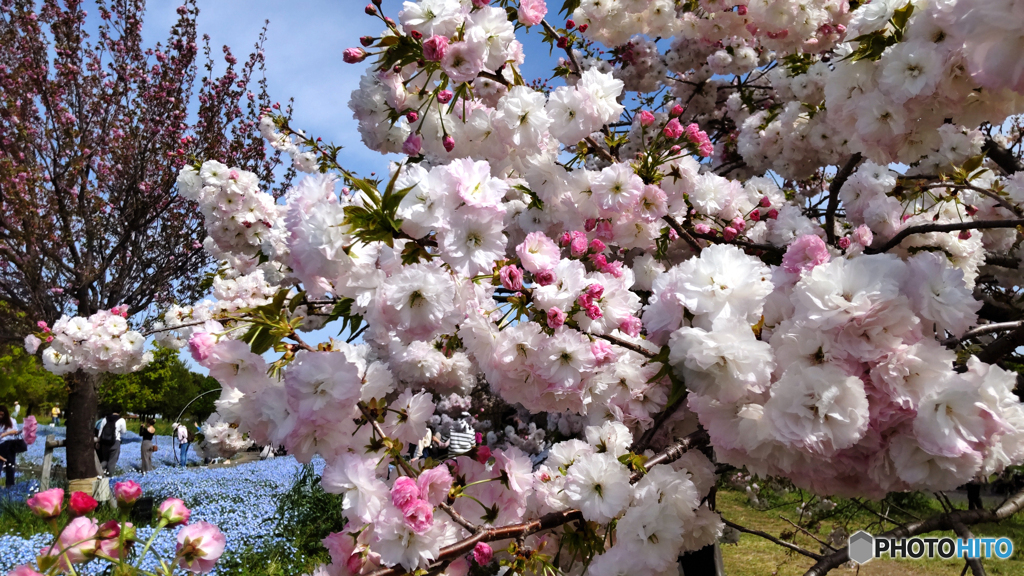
{"x":93,"y":129}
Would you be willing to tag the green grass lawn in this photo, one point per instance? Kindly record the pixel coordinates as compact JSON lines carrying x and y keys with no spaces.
{"x":756,"y":556}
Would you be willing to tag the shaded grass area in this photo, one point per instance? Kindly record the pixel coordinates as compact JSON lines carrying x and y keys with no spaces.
{"x":756,"y":556}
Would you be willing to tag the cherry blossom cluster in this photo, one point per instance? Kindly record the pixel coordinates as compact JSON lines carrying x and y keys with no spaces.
{"x":103,"y":342}
{"x":709,"y":242}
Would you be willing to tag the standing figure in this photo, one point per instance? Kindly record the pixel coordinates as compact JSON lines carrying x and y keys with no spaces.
{"x":55,"y":415}
{"x":108,"y":447}
{"x":8,"y":434}
{"x":147,"y":431}
{"x":181,"y":433}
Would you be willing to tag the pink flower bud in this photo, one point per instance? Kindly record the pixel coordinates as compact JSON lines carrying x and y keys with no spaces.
{"x":366,"y":41}
{"x":738,"y":224}
{"x":482,"y":553}
{"x":445,"y":96}
{"x":570,"y":24}
{"x":583,"y":27}
{"x":729,"y":233}
{"x":555,"y":317}
{"x":971,"y":210}
{"x":448,"y":142}
{"x":597,"y":246}
{"x":964,"y":234}
{"x":544,"y":277}
{"x":173,"y":512}
{"x":435,"y":47}
{"x":412,"y":145}
{"x":109,"y":529}
{"x":47,"y":504}
{"x":562,"y":42}
{"x":646,"y":118}
{"x":755,"y":216}
{"x":593,"y":311}
{"x":773,"y":214}
{"x":370,"y":10}
{"x":765,"y":202}
{"x":673,"y":129}
{"x":511,"y":277}
{"x":354,"y":55}
{"x":741,"y":10}
{"x":200,"y":545}
{"x":675,"y":149}
{"x":81,"y":504}
{"x":595,"y":291}
{"x":483,"y":454}
{"x":412,"y":116}
{"x":676,"y":110}
{"x":416,"y":35}
{"x":590,"y":224}
{"x":701,"y":228}
{"x":127,"y":492}
{"x":843,"y":242}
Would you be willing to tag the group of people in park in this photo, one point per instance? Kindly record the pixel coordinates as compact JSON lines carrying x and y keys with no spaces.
{"x":456,"y":440}
{"x":109,"y":431}
{"x":108,"y":441}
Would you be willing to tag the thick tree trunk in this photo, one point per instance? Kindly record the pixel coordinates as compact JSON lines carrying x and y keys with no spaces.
{"x":81,"y":421}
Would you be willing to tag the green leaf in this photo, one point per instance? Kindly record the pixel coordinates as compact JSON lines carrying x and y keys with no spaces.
{"x":569,"y":6}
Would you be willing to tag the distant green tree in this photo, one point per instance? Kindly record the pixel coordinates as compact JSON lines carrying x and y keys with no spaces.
{"x":23,"y":379}
{"x":145,"y":391}
{"x":165,"y":386}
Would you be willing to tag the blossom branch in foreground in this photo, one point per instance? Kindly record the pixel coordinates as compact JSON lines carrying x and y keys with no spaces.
{"x":553,"y":520}
{"x":767,"y":536}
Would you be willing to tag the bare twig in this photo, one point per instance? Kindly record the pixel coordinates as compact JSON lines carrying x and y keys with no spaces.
{"x":768,"y":536}
{"x":804,"y":530}
{"x":1001,"y":156}
{"x":683,"y":233}
{"x":833,"y":195}
{"x":985,"y":329}
{"x":596,"y":148}
{"x":951,"y":227}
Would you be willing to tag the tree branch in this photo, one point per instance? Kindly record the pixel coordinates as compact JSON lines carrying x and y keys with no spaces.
{"x":627,"y":345}
{"x":1001,"y":156}
{"x":546,"y":522}
{"x":951,"y":227}
{"x":938,"y":522}
{"x":768,"y":536}
{"x":833,"y":195}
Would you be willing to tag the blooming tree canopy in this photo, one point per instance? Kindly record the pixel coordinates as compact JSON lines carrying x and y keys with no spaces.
{"x":783,"y":232}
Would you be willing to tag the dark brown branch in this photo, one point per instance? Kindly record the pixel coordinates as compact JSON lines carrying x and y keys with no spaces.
{"x":833,"y":195}
{"x":973,"y":563}
{"x":951,"y":227}
{"x":1001,"y":156}
{"x":682,"y":233}
{"x":1002,"y":346}
{"x":596,"y":148}
{"x":771,"y":538}
{"x":938,"y":522}
{"x":568,"y":48}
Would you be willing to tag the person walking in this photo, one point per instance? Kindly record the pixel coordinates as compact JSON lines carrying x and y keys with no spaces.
{"x":16,"y":411}
{"x":55,"y":415}
{"x":9,"y":435}
{"x":147,"y":431}
{"x":462,"y":437}
{"x":181,"y":433}
{"x":109,"y":432}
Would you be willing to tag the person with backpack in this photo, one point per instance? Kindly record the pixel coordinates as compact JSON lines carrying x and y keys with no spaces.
{"x":108,"y":446}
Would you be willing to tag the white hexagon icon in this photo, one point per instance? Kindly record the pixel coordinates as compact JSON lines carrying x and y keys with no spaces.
{"x":861,"y":547}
